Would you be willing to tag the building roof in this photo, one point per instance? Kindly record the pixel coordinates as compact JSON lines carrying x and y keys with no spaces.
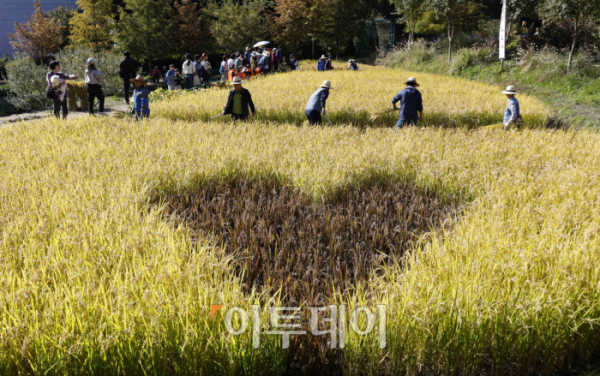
{"x":15,"y":10}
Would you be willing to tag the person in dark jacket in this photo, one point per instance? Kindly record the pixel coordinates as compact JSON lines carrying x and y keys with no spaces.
{"x":293,"y":63}
{"x":316,"y":104}
{"x":411,"y":104}
{"x":127,"y":70}
{"x":239,"y":101}
{"x":352,"y":65}
{"x":329,"y":64}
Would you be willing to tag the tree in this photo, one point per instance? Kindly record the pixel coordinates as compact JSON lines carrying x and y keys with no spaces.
{"x":38,"y":37}
{"x":456,"y":12}
{"x":291,"y":21}
{"x":145,"y":29}
{"x":410,"y":11}
{"x":95,"y":25}
{"x":340,"y":21}
{"x":63,"y":16}
{"x":575,"y":15}
{"x":236,"y":24}
{"x":193,"y":30}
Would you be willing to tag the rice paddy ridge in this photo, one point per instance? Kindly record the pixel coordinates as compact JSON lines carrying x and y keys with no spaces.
{"x":357,"y":97}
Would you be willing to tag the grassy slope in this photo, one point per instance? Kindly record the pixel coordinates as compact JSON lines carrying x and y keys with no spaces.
{"x":575,"y":97}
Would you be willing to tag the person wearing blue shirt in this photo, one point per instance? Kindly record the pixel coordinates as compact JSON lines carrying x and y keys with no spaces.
{"x":322,"y":63}
{"x":316,"y":104}
{"x":352,"y":65}
{"x":512,"y":115}
{"x":170,"y":77}
{"x":280,"y":54}
{"x":265,"y":63}
{"x":140,"y":98}
{"x":411,"y":104}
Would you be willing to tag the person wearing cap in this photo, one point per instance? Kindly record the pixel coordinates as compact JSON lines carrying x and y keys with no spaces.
{"x":239,"y":103}
{"x":512,"y":115}
{"x":93,"y":81}
{"x":127,"y":69}
{"x":316,"y":104}
{"x":170,"y":78}
{"x":352,"y":65}
{"x":140,"y":98}
{"x":411,"y":104}
{"x":189,"y":71}
{"x":322,"y":63}
{"x":59,"y":86}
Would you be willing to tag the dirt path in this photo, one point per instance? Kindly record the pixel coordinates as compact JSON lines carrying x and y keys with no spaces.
{"x":14,"y":119}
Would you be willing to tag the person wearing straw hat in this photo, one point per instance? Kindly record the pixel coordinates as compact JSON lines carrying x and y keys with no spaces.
{"x":352,"y":65}
{"x":93,"y":81}
{"x":322,"y":63}
{"x":140,"y":98}
{"x":316,"y":104}
{"x":411,"y":104}
{"x":239,"y":103}
{"x":512,"y":115}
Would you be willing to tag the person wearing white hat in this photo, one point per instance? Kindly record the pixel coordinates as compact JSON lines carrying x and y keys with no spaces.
{"x":141,"y":103}
{"x":239,"y":103}
{"x":316,"y":104}
{"x":512,"y":115}
{"x":265,"y":62}
{"x":93,"y":81}
{"x":322,"y":64}
{"x":411,"y":104}
{"x":352,"y":65}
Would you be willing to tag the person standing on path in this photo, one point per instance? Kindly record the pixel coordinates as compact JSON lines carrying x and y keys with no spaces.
{"x":316,"y":104}
{"x":170,"y":78}
{"x":127,"y":69}
{"x":57,"y":82}
{"x":141,"y":103}
{"x":411,"y":104}
{"x":207,"y":68}
{"x":224,"y":70}
{"x":94,"y":80}
{"x":189,"y":71}
{"x":512,"y":115}
{"x":239,"y":103}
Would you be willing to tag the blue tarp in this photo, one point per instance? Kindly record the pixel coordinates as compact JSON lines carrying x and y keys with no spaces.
{"x":17,"y":10}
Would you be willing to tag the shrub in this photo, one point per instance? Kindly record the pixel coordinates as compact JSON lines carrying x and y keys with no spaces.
{"x":26,"y":84}
{"x":74,"y":61}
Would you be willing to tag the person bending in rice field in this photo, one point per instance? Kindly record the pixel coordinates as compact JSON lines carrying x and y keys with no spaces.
{"x":512,"y":115}
{"x":239,"y":101}
{"x":316,"y":104}
{"x":140,"y":98}
{"x":411,"y":104}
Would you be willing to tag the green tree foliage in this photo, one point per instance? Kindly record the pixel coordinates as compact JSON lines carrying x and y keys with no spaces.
{"x":63,"y":15}
{"x":235,"y":25}
{"x":574,"y":15}
{"x":430,"y":24}
{"x":193,"y":32}
{"x":94,"y":26}
{"x":26,"y":84}
{"x":339,"y":21}
{"x":457,"y":13}
{"x":291,"y":21}
{"x":146,"y":30}
{"x":409,"y":11}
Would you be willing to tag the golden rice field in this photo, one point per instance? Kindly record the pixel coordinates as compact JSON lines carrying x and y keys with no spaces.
{"x":96,"y":279}
{"x":448,"y":101}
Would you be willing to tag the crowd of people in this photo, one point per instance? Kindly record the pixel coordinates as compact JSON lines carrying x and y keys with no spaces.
{"x":236,"y":68}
